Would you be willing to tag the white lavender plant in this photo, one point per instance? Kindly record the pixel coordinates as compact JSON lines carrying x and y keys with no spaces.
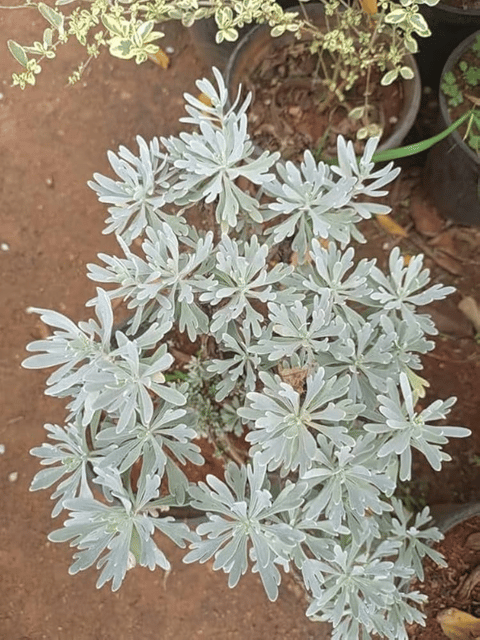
{"x":312,"y":354}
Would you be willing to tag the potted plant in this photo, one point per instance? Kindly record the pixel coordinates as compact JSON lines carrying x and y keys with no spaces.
{"x":131,"y":30}
{"x":452,"y":171}
{"x":309,"y":355}
{"x":345,"y":74}
{"x":451,"y":21}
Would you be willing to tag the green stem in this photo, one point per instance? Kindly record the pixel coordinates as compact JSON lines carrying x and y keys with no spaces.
{"x":417,"y":147}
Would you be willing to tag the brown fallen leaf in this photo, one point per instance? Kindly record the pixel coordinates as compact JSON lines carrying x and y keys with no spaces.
{"x":160,"y":58}
{"x":470,"y":582}
{"x":295,"y":377}
{"x":470,"y":236}
{"x":390,"y":226}
{"x":458,"y":625}
{"x":448,"y":263}
{"x":473,"y":541}
{"x":424,"y":214}
{"x":445,"y":242}
{"x":469,"y":307}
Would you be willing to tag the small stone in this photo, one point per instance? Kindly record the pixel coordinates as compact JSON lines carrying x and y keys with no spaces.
{"x":393,"y":119}
{"x":169,"y":50}
{"x":1,"y":96}
{"x":49,"y":182}
{"x":13,"y":477}
{"x":2,"y":449}
{"x":4,"y":246}
{"x":295,"y":111}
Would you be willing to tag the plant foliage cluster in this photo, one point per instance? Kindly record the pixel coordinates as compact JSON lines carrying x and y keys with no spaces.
{"x":358,"y":36}
{"x":312,"y":354}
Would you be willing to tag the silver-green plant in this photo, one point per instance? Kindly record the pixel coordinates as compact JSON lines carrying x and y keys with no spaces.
{"x":311,"y":354}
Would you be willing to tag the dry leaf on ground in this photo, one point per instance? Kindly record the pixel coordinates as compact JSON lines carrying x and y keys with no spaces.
{"x":446,"y":242}
{"x":469,"y":307}
{"x":424,"y":214}
{"x":473,"y":541}
{"x":391,"y":227}
{"x":448,"y":263}
{"x":458,"y":625}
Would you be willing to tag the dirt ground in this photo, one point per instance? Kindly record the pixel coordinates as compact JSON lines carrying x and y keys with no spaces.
{"x":52,"y":139}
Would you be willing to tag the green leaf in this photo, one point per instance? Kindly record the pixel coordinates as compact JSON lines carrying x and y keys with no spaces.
{"x":357,"y":113}
{"x":420,"y":25}
{"x":18,"y":52}
{"x":418,"y":147}
{"x":37,"y":49}
{"x":224,"y":17}
{"x":396,"y":16}
{"x":230,"y":34}
{"x":278,"y":30}
{"x":362,"y":133}
{"x":449,"y":77}
{"x":122,"y":48}
{"x":114,"y":25}
{"x":144,"y":29}
{"x":47,"y":37}
{"x":411,"y":43}
{"x":54,"y":17}
{"x":407,"y":73}
{"x":389,"y":77}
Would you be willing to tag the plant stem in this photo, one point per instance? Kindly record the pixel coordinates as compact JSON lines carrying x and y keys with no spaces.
{"x":418,"y":147}
{"x":412,"y":149}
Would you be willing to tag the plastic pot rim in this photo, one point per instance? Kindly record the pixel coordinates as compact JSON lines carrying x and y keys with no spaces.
{"x":456,"y":10}
{"x":447,"y":516}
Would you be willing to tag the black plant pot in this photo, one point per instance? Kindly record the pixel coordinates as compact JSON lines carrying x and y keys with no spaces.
{"x":449,"y":26}
{"x":447,"y":516}
{"x":452,"y":171}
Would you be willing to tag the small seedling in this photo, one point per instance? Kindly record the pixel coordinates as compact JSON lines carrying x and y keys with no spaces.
{"x":451,"y":89}
{"x":471,"y":74}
